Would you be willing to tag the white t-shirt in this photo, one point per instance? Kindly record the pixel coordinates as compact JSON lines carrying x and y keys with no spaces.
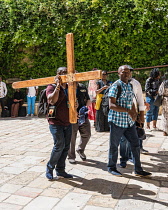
{"x":138,"y":93}
{"x":3,"y":90}
{"x":32,"y":91}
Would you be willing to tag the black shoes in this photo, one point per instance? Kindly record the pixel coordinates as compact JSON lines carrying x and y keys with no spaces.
{"x":144,"y":151}
{"x":49,"y":173}
{"x":81,"y":154}
{"x":64,"y":175}
{"x":114,"y":172}
{"x":142,"y":173}
{"x":123,"y":165}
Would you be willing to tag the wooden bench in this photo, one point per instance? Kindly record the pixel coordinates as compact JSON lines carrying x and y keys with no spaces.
{"x":35,"y":109}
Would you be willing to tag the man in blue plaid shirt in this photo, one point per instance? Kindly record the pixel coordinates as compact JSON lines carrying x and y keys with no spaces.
{"x":122,"y":116}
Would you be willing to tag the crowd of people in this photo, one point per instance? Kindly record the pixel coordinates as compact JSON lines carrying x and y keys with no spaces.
{"x":126,"y":114}
{"x":125,"y":118}
{"x":15,"y":103}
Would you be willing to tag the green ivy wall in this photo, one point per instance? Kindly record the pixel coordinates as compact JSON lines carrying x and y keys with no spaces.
{"x":107,"y":34}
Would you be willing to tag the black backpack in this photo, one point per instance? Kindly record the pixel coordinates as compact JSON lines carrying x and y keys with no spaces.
{"x":105,"y":98}
{"x":43,"y":104}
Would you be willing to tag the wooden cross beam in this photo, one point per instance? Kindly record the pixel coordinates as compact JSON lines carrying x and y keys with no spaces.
{"x":71,"y":78}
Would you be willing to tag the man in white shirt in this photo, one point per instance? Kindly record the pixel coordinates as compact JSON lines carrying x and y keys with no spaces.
{"x":31,"y":98}
{"x":125,"y":149}
{"x":3,"y":93}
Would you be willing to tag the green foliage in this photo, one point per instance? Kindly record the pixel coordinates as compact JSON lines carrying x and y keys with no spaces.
{"x":107,"y":34}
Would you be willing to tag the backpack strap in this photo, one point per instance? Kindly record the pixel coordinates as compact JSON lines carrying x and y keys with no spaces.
{"x":120,"y":89}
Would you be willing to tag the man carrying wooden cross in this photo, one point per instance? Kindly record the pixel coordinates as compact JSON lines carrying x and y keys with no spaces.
{"x":59,"y":125}
{"x":64,"y":99}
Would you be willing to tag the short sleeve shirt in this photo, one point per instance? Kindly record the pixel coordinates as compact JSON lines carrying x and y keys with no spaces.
{"x":121,"y":119}
{"x":32,"y":91}
{"x":62,"y":110}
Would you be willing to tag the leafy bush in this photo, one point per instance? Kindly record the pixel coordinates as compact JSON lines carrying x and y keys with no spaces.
{"x":107,"y":34}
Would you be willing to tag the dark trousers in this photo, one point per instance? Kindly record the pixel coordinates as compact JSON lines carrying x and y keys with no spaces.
{"x":2,"y":102}
{"x":85,"y":134}
{"x":125,"y":149}
{"x":62,"y":137}
{"x":130,"y":133}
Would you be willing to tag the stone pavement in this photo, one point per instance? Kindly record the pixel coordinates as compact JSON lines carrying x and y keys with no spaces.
{"x":25,"y":146}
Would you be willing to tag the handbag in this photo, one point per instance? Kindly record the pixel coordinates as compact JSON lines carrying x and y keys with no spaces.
{"x":98,"y":101}
{"x":158,"y":100}
{"x":141,"y":133}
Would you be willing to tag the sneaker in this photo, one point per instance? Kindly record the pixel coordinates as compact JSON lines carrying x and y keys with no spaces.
{"x":49,"y":173}
{"x":142,"y":173}
{"x":144,"y":151}
{"x":64,"y":175}
{"x":32,"y":115}
{"x":27,"y":115}
{"x":72,"y":161}
{"x":81,"y":154}
{"x":114,"y":172}
{"x":131,"y":160}
{"x":155,"y":129}
{"x":123,"y":165}
{"x":148,"y":130}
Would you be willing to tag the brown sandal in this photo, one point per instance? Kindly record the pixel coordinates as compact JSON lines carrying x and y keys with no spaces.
{"x":165,"y":134}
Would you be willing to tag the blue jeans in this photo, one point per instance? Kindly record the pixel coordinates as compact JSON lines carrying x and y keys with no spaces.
{"x":130,"y":133}
{"x":30,"y":104}
{"x":62,"y":137}
{"x":152,"y":113}
{"x":125,"y":149}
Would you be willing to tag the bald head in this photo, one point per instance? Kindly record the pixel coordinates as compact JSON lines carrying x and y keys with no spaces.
{"x":124,"y":73}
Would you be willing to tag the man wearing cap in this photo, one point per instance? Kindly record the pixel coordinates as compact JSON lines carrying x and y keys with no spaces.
{"x":125,"y":149}
{"x":122,"y":116}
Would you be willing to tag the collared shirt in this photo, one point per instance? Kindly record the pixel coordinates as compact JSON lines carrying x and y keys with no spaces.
{"x":139,"y":100}
{"x":121,"y":119}
{"x":3,"y":90}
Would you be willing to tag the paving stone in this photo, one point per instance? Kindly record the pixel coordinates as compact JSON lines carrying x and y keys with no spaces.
{"x":54,"y":192}
{"x":3,"y":196}
{"x":24,"y":178}
{"x":160,"y":206}
{"x":96,"y":208}
{"x":42,"y":203}
{"x":10,"y":188}
{"x":163,"y":196}
{"x":41,"y":183}
{"x":133,"y":203}
{"x":29,"y":192}
{"x":75,"y":201}
{"x":102,"y":201}
{"x":23,"y":182}
{"x":8,"y":206}
{"x":18,"y":200}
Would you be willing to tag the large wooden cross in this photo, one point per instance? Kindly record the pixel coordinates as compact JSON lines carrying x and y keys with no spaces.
{"x":71,"y":78}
